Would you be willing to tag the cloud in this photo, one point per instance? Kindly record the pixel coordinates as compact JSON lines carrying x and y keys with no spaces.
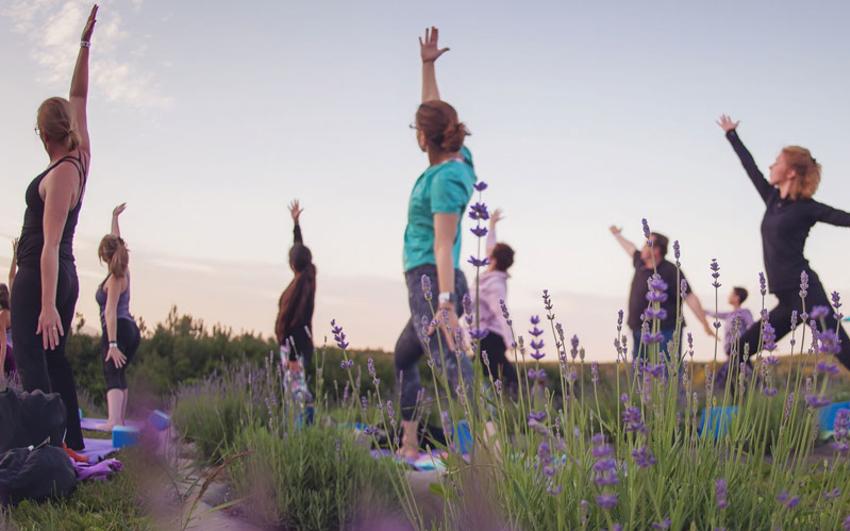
{"x":52,"y":29}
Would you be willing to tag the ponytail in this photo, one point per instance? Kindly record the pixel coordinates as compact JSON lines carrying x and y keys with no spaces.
{"x":439,"y":122}
{"x":807,"y":171}
{"x":54,"y":122}
{"x":114,"y":252}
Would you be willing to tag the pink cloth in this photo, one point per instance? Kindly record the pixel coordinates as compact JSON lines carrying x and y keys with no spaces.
{"x":493,"y":286}
{"x":99,"y":471}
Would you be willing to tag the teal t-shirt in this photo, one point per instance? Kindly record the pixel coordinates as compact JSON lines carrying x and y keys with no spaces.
{"x":444,"y":188}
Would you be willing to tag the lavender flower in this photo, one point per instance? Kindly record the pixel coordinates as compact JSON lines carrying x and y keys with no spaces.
{"x":425,"y":282}
{"x":846,"y":524}
{"x":762,"y":284}
{"x":829,"y":342}
{"x":594,"y":372}
{"x":504,"y":308}
{"x":815,"y":401}
{"x":478,"y":211}
{"x":788,"y":500}
{"x":677,"y":251}
{"x":538,"y":416}
{"x":804,"y":284}
{"x":643,"y":457}
{"x":479,"y":231}
{"x":836,"y":300}
{"x":720,"y":493}
{"x":480,"y":186}
{"x":827,"y":368}
{"x":608,"y":501}
{"x":346,"y":364}
{"x":769,"y":337}
{"x":633,"y":420}
{"x":537,"y":345}
{"x":574,"y":342}
{"x":771,"y":361}
{"x":646,"y":232}
{"x":769,"y":392}
{"x":536,"y":375}
{"x":606,"y":472}
{"x":478,"y":333}
{"x":683,"y":287}
{"x":715,"y":272}
{"x":664,"y":524}
{"x":476,"y":262}
{"x":819,"y":312}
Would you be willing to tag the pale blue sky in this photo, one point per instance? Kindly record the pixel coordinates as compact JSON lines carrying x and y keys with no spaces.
{"x":208,"y":117}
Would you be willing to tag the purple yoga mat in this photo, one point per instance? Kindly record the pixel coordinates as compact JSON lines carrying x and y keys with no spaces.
{"x":97,"y":449}
{"x":91,"y":424}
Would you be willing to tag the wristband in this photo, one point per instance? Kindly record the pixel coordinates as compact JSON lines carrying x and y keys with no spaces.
{"x":113,"y":344}
{"x":85,"y":44}
{"x":446,"y":296}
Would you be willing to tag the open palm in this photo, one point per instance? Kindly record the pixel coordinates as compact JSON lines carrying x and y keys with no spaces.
{"x":428,"y":48}
{"x":726,"y":123}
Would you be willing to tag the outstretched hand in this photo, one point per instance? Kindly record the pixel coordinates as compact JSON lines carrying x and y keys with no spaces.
{"x":726,"y":123}
{"x":428,"y":48}
{"x":89,"y":29}
{"x":295,"y":210}
{"x":496,"y":217}
{"x":615,"y":230}
{"x":117,"y":211}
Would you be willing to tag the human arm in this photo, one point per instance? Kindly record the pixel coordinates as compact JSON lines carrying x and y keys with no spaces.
{"x":445,"y":232}
{"x":59,"y":190}
{"x":627,"y":246}
{"x":696,"y":306}
{"x":718,"y":315}
{"x":4,"y":324}
{"x":295,"y":211}
{"x":430,"y":52}
{"x":116,"y":212}
{"x":78,"y":96}
{"x":756,"y":176}
{"x":495,"y":218}
{"x":114,"y":286}
{"x":831,"y":216}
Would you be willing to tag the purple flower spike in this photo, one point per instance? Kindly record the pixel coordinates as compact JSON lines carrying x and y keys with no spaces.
{"x":608,"y":501}
{"x":646,"y":232}
{"x":829,"y":342}
{"x":816,"y":401}
{"x":819,"y":312}
{"x":643,"y":457}
{"x":720,"y":493}
{"x":715,"y":272}
{"x":479,"y":231}
{"x":804,"y":285}
{"x":478,"y":262}
{"x":836,"y":300}
{"x":787,"y":500}
{"x":426,"y":287}
{"x":539,"y":416}
{"x":762,"y":284}
{"x":594,"y":372}
{"x":827,"y":368}
{"x":664,"y":524}
{"x":677,"y":251}
{"x":633,"y":421}
{"x":769,"y":337}
{"x":480,"y":186}
{"x":832,"y":494}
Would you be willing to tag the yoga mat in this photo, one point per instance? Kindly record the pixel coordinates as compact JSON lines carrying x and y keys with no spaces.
{"x":91,"y":424}
{"x":424,"y":463}
{"x":98,"y":449}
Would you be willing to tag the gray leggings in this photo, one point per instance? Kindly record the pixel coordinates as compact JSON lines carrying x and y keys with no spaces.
{"x":409,"y":348}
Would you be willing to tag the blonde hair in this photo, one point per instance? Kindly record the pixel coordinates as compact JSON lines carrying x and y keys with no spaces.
{"x":114,"y":252}
{"x":807,"y":170}
{"x":54,"y":123}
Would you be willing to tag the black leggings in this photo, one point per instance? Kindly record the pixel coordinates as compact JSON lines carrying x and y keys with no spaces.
{"x":501,"y":368}
{"x":780,"y":319}
{"x":128,"y":343}
{"x":47,"y":370}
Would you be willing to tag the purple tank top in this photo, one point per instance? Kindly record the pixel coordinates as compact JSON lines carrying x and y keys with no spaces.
{"x":123,"y":301}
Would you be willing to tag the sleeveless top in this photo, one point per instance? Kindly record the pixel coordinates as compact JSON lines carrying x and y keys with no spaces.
{"x":31,"y":242}
{"x":123,"y":302}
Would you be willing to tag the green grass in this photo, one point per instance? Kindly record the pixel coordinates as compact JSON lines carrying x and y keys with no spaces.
{"x":101,"y":506}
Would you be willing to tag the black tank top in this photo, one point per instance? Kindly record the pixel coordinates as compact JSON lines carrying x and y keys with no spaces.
{"x":31,"y":242}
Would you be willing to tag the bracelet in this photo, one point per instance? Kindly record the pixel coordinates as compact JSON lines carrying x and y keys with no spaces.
{"x":113,"y":344}
{"x":85,"y":44}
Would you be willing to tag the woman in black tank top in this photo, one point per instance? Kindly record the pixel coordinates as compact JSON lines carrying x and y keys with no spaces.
{"x":46,"y":287}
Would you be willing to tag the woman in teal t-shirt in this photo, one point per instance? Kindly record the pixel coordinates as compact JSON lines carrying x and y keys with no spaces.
{"x":432,"y":244}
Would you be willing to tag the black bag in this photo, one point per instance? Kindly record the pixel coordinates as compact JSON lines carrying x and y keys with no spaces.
{"x":35,"y":474}
{"x":28,"y":419}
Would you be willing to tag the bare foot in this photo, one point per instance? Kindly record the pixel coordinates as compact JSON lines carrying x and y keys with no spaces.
{"x":106,"y":426}
{"x":408,"y":453}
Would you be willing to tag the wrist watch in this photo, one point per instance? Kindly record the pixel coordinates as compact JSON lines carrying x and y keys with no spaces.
{"x":446,"y":296}
{"x":113,"y":344}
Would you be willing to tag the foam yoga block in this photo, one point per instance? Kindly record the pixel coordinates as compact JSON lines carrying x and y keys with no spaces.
{"x":718,"y":421}
{"x":463,"y":437}
{"x":159,"y":420}
{"x":827,"y":416}
{"x":124,"y":436}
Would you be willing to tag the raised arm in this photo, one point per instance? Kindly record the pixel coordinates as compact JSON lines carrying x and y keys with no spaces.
{"x":430,"y":52}
{"x":627,"y":246}
{"x":117,"y":211}
{"x":756,"y":176}
{"x":696,"y":306}
{"x":495,"y":218}
{"x":295,"y":211}
{"x":80,"y":84}
{"x":832,"y":216}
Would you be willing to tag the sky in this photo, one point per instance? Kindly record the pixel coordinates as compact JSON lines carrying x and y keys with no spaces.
{"x":208,"y":118}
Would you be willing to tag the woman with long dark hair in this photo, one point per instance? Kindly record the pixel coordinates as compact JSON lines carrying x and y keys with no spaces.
{"x":46,"y":287}
{"x":432,"y":243}
{"x":294,"y":323}
{"x":790,"y":214}
{"x":121,"y":336}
